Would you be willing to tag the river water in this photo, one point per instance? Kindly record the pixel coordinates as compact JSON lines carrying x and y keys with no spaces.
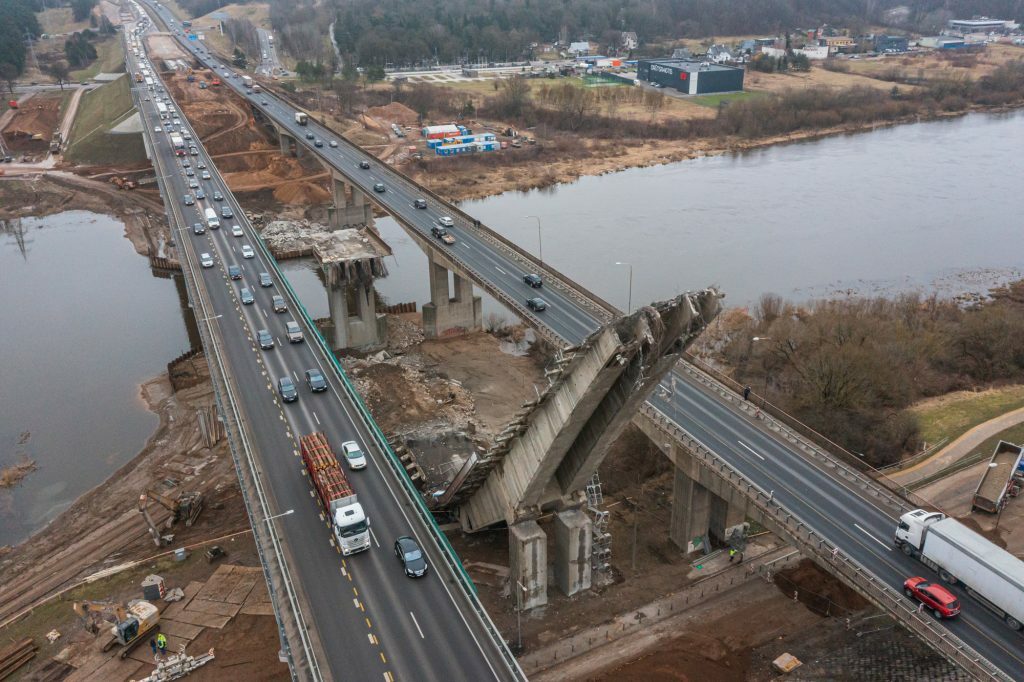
{"x":84,"y":323}
{"x":931,"y":207}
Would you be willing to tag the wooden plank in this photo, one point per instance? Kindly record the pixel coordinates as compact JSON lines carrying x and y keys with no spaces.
{"x":16,"y":648}
{"x":219,"y":608}
{"x":207,"y":620}
{"x":176,"y":607}
{"x":259,"y":608}
{"x":220,"y":584}
{"x":115,"y":670}
{"x":241,"y":590}
{"x":12,"y":664}
{"x":178,"y":629}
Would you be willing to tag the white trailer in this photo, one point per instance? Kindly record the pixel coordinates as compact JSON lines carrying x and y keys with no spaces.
{"x":247,"y":81}
{"x":991,"y":575}
{"x":301,"y":118}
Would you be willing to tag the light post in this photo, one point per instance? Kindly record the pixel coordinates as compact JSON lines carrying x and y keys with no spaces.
{"x":519,"y":615}
{"x":629,"y":304}
{"x":764,"y":394}
{"x":277,"y":516}
{"x":540,"y":243}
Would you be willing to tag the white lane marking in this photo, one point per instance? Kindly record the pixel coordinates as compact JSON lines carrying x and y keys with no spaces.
{"x":264,"y":313}
{"x":883,"y":544}
{"x":750,"y":448}
{"x":374,"y":538}
{"x":465,"y":245}
{"x":500,"y":270}
{"x":316,"y":418}
{"x":296,"y":376}
{"x":418,"y":629}
{"x":278,"y":340}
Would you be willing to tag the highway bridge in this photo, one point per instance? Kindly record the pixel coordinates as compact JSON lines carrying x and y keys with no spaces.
{"x":356,"y":617}
{"x":840,"y":516}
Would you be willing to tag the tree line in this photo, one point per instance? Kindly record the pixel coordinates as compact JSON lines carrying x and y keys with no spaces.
{"x":17,"y":23}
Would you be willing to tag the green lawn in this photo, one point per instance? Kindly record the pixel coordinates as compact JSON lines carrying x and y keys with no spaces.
{"x":109,"y":59}
{"x":954,"y":415}
{"x":714,"y":100}
{"x":100,"y":110}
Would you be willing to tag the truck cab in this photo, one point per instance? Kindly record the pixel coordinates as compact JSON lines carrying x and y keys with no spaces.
{"x":351,"y":528}
{"x":911,"y":528}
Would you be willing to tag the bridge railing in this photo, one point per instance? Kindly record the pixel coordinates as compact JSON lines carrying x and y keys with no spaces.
{"x":447,"y":552}
{"x":813,"y":544}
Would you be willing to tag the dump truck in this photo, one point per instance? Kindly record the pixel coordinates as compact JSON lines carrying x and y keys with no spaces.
{"x":990,"y":574}
{"x":301,"y":118}
{"x":998,"y":479}
{"x":349,"y":523}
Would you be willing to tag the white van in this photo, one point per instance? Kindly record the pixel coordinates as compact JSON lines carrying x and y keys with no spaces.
{"x":212,"y":221}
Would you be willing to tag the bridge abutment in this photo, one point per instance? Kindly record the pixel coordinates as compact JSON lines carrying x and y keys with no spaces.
{"x":450,"y":313}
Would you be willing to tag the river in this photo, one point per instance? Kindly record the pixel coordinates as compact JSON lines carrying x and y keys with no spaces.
{"x":934,"y":206}
{"x":85,"y":323}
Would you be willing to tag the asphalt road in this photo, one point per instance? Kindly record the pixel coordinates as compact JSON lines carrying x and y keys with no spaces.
{"x":853,"y":522}
{"x":371,"y":620}
{"x":269,"y":65}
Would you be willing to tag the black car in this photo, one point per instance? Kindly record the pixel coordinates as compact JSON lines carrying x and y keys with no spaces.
{"x":200,"y":194}
{"x":310,"y":136}
{"x":189,"y":200}
{"x":411,"y":556}
{"x":199,"y":228}
{"x":379,"y":188}
{"x":200,"y":165}
{"x":226,"y":212}
{"x":365,"y":165}
{"x":318,"y":143}
{"x":315,"y":380}
{"x":265,"y":339}
{"x":265,"y":280}
{"x":247,"y":297}
{"x":234,"y":272}
{"x":533,"y":280}
{"x":537,"y":304}
{"x":217,"y":196}
{"x":420,"y":203}
{"x":287,"y":390}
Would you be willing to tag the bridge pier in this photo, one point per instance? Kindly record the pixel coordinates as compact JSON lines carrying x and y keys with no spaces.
{"x":351,"y":207}
{"x":528,"y":564}
{"x":289,"y":145}
{"x":450,"y":313}
{"x":573,"y":546}
{"x":354,"y":314}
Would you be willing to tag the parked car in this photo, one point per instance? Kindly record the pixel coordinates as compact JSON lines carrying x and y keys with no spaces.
{"x":266,"y":341}
{"x":411,"y":557}
{"x":536,"y":304}
{"x":940,"y":601}
{"x":533,"y":280}
{"x":315,"y":380}
{"x":353,"y":455}
{"x":287,"y":390}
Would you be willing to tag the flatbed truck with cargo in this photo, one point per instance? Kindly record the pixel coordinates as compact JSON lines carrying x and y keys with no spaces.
{"x":349,"y":523}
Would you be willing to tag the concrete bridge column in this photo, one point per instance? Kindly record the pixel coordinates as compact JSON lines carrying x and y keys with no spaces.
{"x":528,"y":558}
{"x":573,"y":546}
{"x":724,"y":517}
{"x":289,"y":145}
{"x":450,"y":315}
{"x":353,"y":309}
{"x":691,"y":512}
{"x":351,"y":207}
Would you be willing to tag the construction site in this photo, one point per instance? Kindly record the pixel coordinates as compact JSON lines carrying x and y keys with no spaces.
{"x":154,"y":574}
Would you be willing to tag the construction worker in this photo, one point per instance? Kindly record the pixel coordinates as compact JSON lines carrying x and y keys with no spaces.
{"x":152,"y":645}
{"x":746,"y":392}
{"x":732,"y":554}
{"x":161,"y":643}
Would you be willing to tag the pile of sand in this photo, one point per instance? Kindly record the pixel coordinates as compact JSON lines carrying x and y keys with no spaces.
{"x":395,"y":112}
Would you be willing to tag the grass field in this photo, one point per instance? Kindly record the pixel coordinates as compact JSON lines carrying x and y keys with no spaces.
{"x":60,"y":20}
{"x":109,"y":59}
{"x":714,"y":100}
{"x":98,"y":112}
{"x":952,"y":415}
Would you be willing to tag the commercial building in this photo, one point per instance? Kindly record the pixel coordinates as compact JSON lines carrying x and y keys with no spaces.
{"x":891,"y":44}
{"x":982,"y":25}
{"x":837,"y":43}
{"x":942,"y":42}
{"x":690,"y":77}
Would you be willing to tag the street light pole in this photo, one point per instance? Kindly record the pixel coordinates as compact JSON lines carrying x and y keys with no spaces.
{"x":519,"y":615}
{"x":277,"y":516}
{"x":629,"y":304}
{"x":764,"y":394}
{"x":540,"y":243}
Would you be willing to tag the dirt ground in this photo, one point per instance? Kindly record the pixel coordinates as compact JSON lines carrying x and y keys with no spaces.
{"x":39,"y":115}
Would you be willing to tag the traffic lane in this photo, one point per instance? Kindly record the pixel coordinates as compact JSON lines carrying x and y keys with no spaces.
{"x":392,"y":596}
{"x":821,"y":510}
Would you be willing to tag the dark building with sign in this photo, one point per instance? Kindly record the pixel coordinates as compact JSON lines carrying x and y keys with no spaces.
{"x":690,"y":77}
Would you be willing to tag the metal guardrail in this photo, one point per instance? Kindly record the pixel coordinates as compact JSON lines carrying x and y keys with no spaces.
{"x":812,"y":543}
{"x":239,"y":443}
{"x":362,"y":411}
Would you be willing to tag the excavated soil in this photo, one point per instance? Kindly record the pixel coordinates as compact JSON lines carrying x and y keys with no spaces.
{"x":818,"y":590}
{"x":39,"y":115}
{"x":396,"y":112}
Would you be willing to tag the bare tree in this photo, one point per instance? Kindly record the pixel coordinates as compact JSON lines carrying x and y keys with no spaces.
{"x":58,"y":71}
{"x":9,"y":74}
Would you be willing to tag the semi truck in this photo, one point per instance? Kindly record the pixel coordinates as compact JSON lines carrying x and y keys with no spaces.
{"x":990,"y":574}
{"x":178,"y":142}
{"x":349,"y":523}
{"x":301,"y":118}
{"x":247,"y":81}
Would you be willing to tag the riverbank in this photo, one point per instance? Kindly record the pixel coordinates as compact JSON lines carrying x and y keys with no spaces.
{"x":537,"y":167}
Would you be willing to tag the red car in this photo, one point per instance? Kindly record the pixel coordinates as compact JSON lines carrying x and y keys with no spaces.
{"x":941,"y":602}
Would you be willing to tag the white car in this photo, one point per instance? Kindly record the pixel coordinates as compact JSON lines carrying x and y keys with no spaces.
{"x":158,"y":129}
{"x":445,"y":220}
{"x":236,"y":231}
{"x":247,"y":251}
{"x":353,"y":455}
{"x":206,"y":260}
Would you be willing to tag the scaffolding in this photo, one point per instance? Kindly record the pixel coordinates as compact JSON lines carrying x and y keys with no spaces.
{"x":601,"y":554}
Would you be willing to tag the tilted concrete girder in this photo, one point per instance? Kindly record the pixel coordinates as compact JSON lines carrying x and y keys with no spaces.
{"x":553,"y":446}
